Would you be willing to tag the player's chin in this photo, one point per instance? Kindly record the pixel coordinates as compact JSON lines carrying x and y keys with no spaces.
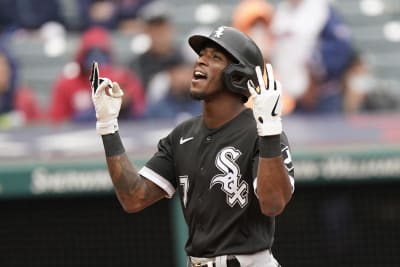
{"x":196,"y":94}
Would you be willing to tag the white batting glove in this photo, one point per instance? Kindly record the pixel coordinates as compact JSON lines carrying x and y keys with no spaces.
{"x":107,"y":99}
{"x":267,"y":102}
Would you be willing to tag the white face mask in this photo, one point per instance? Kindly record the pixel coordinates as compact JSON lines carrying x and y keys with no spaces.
{"x":362,"y":83}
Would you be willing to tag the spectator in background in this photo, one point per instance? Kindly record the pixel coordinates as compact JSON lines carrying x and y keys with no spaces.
{"x":7,"y":18}
{"x":8,"y":82}
{"x":163,"y":68}
{"x":29,"y":14}
{"x":312,"y":51}
{"x":121,"y":15}
{"x":362,"y":90}
{"x":18,"y":104}
{"x":128,"y":17}
{"x":163,"y":52}
{"x":71,"y":96}
{"x":332,"y":56}
{"x":254,"y":18}
{"x":102,"y":13}
{"x":175,"y":103}
{"x":358,"y":82}
{"x":296,"y":26}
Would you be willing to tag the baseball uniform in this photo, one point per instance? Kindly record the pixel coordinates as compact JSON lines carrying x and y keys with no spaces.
{"x":214,"y":172}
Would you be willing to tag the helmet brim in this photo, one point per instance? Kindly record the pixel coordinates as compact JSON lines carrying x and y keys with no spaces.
{"x":197,"y":42}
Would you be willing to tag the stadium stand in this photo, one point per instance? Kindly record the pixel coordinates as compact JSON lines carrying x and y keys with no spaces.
{"x":39,"y":70}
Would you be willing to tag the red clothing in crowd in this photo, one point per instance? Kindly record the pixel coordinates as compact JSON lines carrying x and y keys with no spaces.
{"x":71,"y":99}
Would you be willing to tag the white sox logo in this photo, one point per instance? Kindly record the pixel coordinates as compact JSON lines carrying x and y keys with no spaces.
{"x":236,"y":190}
{"x":219,"y":32}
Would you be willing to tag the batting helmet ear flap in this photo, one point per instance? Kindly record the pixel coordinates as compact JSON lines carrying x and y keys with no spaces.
{"x":235,"y":77}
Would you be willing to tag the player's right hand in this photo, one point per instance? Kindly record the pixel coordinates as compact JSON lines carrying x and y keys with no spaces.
{"x":107,"y":99}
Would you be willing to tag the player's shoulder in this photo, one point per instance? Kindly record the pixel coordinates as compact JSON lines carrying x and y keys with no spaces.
{"x":246,"y":120}
{"x":247,"y":114}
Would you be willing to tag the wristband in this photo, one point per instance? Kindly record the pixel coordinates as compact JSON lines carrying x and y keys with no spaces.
{"x":112,"y":144}
{"x":270,"y":146}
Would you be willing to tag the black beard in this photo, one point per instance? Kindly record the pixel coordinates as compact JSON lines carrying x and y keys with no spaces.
{"x":197,"y":97}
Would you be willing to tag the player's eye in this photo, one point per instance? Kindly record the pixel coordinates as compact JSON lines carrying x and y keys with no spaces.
{"x":217,"y":56}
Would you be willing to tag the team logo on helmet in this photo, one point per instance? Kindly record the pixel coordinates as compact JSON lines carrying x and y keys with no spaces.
{"x":219,"y":32}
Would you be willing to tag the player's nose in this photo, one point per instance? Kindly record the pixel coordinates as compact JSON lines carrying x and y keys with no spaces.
{"x":202,"y":60}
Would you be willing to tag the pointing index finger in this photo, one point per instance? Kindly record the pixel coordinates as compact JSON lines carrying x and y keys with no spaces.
{"x":94,"y":76}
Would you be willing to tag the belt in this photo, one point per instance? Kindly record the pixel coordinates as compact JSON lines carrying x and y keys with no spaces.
{"x":231,"y":261}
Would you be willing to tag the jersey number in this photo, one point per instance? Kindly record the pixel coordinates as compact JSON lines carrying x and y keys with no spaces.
{"x":184,"y":182}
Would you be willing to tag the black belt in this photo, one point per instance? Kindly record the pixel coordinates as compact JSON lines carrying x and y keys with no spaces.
{"x":231,"y":261}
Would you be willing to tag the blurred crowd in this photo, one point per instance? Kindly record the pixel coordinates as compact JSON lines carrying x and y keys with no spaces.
{"x":307,"y":41}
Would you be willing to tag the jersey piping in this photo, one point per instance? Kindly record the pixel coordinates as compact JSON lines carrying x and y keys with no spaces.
{"x":158,"y":180}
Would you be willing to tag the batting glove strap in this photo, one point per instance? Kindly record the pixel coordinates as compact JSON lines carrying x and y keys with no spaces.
{"x":108,"y":127}
{"x":269,"y":127}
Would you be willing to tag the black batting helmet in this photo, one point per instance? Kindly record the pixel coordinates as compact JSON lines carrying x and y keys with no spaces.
{"x":243,"y":50}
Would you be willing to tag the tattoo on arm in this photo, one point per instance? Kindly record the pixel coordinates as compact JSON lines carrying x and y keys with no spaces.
{"x":124,"y":176}
{"x":130,"y":187}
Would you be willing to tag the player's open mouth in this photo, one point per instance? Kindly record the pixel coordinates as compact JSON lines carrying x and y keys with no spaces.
{"x":199,"y":75}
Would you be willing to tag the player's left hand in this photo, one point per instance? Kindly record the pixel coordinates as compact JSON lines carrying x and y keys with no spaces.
{"x":107,"y":99}
{"x":267,"y":101}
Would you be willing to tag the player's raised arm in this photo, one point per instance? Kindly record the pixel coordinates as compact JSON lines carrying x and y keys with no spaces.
{"x":133,"y":191}
{"x":274,"y":184}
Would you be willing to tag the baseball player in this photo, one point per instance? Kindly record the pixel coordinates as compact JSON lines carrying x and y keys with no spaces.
{"x":231,"y":166}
